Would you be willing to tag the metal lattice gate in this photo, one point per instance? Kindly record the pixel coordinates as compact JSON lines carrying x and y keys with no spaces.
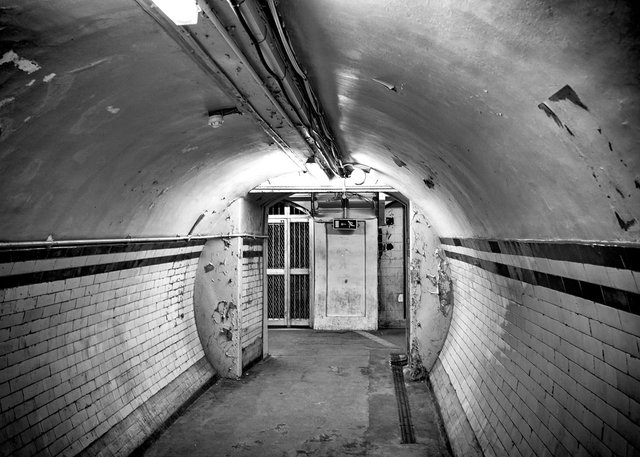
{"x":288,"y":267}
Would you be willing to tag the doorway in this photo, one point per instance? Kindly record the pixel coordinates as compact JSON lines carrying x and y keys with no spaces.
{"x":289,"y":266}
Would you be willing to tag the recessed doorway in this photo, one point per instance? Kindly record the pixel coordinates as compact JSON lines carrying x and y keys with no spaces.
{"x":289,"y":266}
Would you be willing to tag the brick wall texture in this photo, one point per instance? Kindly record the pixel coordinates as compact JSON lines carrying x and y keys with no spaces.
{"x":252,"y":294}
{"x":543,"y":372}
{"x":79,"y":354}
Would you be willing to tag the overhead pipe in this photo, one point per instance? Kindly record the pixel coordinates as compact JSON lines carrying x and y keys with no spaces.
{"x":284,"y":40}
{"x":52,"y":243}
{"x":248,"y":12}
{"x":250,"y":15}
{"x":290,"y":54}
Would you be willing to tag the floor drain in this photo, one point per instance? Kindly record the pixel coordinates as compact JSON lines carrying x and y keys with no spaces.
{"x":404,"y":413}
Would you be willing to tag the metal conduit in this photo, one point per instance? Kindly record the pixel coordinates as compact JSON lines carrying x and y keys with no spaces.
{"x":19,"y":244}
{"x":250,"y":14}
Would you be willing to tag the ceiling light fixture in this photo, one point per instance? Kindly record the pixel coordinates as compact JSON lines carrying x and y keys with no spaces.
{"x":181,"y":12}
{"x":356,"y":172}
{"x":216,"y":118}
{"x":358,"y":176}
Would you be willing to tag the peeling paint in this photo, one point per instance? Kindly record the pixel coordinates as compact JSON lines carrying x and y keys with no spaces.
{"x":113,"y":110}
{"x":195,"y":224}
{"x":445,"y":289}
{"x":399,"y":162}
{"x":385,"y":84}
{"x":224,"y":316}
{"x":26,"y":65}
{"x":625,"y":224}
{"x":429,"y":182}
{"x":6,"y":101}
{"x":549,"y":112}
{"x":49,"y":77}
{"x":567,"y":93}
{"x":189,"y":149}
{"x":415,"y":371}
{"x":595,"y":149}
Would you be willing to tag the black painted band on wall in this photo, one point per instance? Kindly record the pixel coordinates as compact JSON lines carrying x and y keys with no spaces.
{"x":251,"y":254}
{"x":252,"y":241}
{"x":606,"y":255}
{"x":8,"y":255}
{"x":25,"y":279}
{"x":609,"y":296}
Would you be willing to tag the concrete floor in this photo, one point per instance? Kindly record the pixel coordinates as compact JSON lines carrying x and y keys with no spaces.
{"x":319,"y":394}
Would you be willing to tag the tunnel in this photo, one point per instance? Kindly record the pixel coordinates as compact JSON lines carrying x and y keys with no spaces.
{"x":466,"y":171}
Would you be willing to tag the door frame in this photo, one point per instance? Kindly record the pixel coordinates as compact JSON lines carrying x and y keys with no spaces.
{"x":369,"y":320}
{"x":288,"y":218}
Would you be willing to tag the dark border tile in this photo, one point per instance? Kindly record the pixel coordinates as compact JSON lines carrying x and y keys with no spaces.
{"x":541,"y":279}
{"x":38,"y":253}
{"x":608,"y":255}
{"x":448,"y":241}
{"x":572,"y":286}
{"x":615,"y":298}
{"x":252,"y":241}
{"x":494,"y":246}
{"x":631,"y":258}
{"x":555,"y":282}
{"x":26,"y":279}
{"x":591,"y":292}
{"x":634,"y":302}
{"x":502,"y":269}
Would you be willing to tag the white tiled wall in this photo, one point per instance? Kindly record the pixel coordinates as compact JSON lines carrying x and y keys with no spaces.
{"x":79,"y":355}
{"x":540,"y":372}
{"x":252,"y":296}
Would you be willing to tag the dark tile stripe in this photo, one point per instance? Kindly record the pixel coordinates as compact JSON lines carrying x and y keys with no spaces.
{"x":25,"y":279}
{"x":250,"y":254}
{"x":615,"y":298}
{"x":8,"y":255}
{"x":606,"y":255}
{"x":252,"y":241}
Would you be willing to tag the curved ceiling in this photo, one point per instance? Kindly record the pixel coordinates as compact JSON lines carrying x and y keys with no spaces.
{"x":445,"y":98}
{"x":504,"y":120}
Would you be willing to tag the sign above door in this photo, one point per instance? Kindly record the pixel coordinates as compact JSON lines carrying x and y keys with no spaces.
{"x":345,"y":224}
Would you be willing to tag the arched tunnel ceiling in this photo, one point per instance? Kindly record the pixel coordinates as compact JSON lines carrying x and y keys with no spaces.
{"x":444,"y":96}
{"x":450,"y":101}
{"x":116,"y":143}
